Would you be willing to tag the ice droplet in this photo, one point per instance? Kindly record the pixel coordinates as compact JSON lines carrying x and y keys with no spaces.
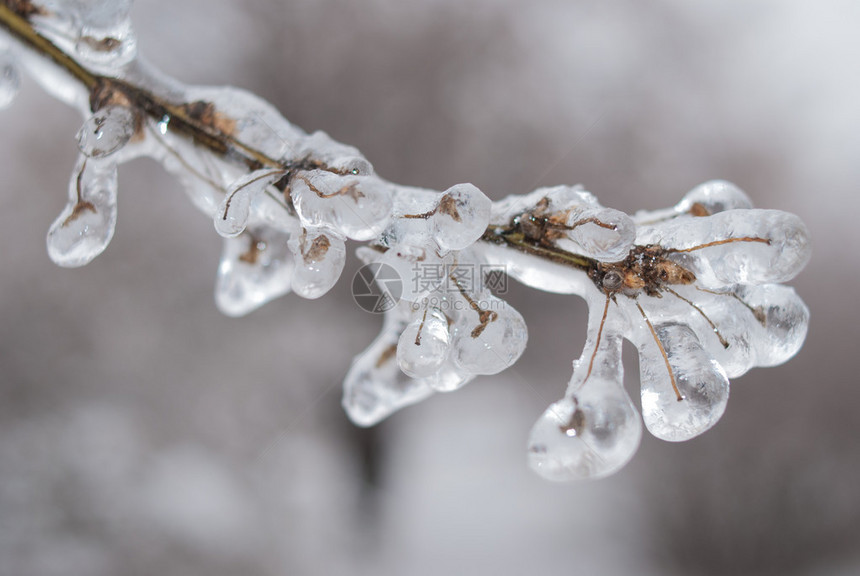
{"x":106,"y":131}
{"x":106,"y":39}
{"x":595,"y":429}
{"x":784,"y":321}
{"x":358,"y":207}
{"x":10,"y":79}
{"x":737,"y":246}
{"x":85,"y":227}
{"x":320,"y":256}
{"x":589,"y":435}
{"x":423,"y":345}
{"x":255,"y":268}
{"x":375,"y":387}
{"x":685,"y":398}
{"x":461,"y":216}
{"x":232,"y":215}
{"x":713,"y":197}
{"x":601,"y":233}
{"x":491,"y":339}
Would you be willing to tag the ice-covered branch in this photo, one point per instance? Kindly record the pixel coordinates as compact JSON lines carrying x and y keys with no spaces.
{"x":694,"y":287}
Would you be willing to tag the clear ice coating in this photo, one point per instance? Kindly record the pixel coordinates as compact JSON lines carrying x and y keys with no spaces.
{"x":85,"y":227}
{"x":255,"y":267}
{"x":10,"y":79}
{"x":106,"y":131}
{"x":695,"y":287}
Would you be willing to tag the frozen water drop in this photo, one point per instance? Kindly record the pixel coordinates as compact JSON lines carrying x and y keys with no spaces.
{"x":601,"y":233}
{"x":782,"y":320}
{"x":713,"y":197}
{"x":106,"y":40}
{"x":232,"y":215}
{"x":490,"y":339}
{"x":591,"y":435}
{"x":686,"y":397}
{"x":85,"y":227}
{"x":359,"y":207}
{"x":106,"y":131}
{"x":320,"y":256}
{"x":461,"y":217}
{"x":423,"y":345}
{"x":10,"y":79}
{"x":375,"y":387}
{"x":255,"y":268}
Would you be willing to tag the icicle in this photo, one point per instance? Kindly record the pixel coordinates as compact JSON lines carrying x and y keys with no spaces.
{"x":86,"y":226}
{"x":684,"y":391}
{"x":255,"y":268}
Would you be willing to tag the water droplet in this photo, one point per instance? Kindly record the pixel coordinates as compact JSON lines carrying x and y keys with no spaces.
{"x":106,"y":131}
{"x":163,"y":124}
{"x":85,"y":227}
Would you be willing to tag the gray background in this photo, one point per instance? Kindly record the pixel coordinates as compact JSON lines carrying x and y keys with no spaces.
{"x":143,"y":433}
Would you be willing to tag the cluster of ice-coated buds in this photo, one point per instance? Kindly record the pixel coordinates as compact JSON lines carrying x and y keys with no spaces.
{"x":695,"y":288}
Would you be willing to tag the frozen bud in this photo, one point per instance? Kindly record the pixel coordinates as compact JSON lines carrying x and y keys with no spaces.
{"x":106,"y":131}
{"x":489,"y":339}
{"x":232,"y":215}
{"x":320,"y":256}
{"x":713,"y":197}
{"x":684,"y":391}
{"x":255,"y":268}
{"x":85,"y":227}
{"x":423,"y":345}
{"x":461,"y":217}
{"x":10,"y":79}
{"x":359,"y":207}
{"x":600,"y":233}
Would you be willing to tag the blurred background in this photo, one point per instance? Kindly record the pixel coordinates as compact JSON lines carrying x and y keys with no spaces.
{"x":141,"y":432}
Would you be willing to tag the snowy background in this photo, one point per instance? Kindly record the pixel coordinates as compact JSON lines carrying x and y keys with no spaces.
{"x":143,"y":433}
